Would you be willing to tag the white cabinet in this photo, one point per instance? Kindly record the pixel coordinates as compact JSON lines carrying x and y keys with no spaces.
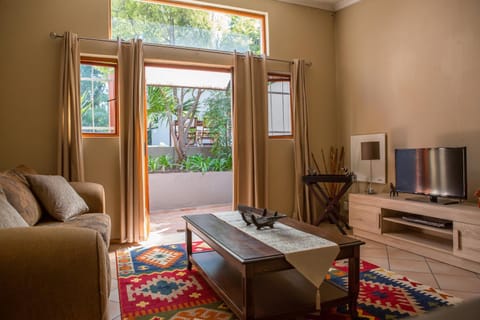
{"x":383,"y":219}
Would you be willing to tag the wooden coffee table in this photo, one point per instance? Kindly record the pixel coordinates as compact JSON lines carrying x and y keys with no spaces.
{"x":256,"y":281}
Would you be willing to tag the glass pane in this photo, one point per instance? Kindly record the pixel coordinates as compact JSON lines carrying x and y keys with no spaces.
{"x":277,"y":126}
{"x":85,"y":71}
{"x":198,"y":28}
{"x":279,"y":112}
{"x":286,"y":86}
{"x":287,"y":121}
{"x":97,"y":90}
{"x":276,"y":86}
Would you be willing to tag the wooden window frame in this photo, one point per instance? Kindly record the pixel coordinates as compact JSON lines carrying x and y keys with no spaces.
{"x":105,"y":62}
{"x":205,"y":7}
{"x":275,"y":77}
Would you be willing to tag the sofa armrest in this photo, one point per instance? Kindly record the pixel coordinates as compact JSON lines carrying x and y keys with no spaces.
{"x":50,"y":273}
{"x":93,"y":194}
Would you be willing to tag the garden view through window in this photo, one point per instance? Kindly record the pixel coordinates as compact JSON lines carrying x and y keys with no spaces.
{"x":97,"y":98}
{"x":188,"y":119}
{"x":188,"y":25}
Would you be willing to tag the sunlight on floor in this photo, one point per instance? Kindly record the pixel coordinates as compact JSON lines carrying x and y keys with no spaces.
{"x":168,"y":226}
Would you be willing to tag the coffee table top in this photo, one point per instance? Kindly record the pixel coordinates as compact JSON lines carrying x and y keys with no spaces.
{"x":248,"y":249}
{"x":239,"y":244}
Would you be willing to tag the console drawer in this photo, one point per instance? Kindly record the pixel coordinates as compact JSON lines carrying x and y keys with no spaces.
{"x":364,"y":217}
{"x":466,"y":241}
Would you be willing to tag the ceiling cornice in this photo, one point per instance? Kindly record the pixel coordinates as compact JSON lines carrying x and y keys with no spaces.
{"x":344,"y":3}
{"x":329,"y":5}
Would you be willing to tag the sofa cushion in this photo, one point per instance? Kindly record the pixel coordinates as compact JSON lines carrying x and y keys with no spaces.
{"x":20,"y":197}
{"x":9,"y":217}
{"x":20,"y":172}
{"x":57,"y":196}
{"x":99,"y":222}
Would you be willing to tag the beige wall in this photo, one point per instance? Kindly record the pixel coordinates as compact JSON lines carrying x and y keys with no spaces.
{"x":411,"y":69}
{"x":29,"y":86}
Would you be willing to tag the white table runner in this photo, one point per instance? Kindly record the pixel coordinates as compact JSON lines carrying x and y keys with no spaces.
{"x":312,"y":256}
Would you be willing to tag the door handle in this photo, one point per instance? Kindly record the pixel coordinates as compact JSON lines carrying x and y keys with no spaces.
{"x":458,"y":234}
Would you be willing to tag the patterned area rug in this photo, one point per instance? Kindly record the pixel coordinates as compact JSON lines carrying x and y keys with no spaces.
{"x":154,"y":284}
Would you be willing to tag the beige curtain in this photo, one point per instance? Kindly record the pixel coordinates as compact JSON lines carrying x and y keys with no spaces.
{"x":134,"y":217}
{"x":301,"y":142}
{"x":249,"y":131}
{"x":70,"y":149}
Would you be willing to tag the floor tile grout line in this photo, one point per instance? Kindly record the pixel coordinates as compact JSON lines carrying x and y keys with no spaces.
{"x":433,"y":274}
{"x":388,"y":257}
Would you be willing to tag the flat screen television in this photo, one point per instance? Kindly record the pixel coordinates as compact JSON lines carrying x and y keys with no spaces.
{"x":434,"y":172}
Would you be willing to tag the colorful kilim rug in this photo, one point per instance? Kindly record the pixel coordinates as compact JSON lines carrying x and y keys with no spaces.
{"x":154,"y":284}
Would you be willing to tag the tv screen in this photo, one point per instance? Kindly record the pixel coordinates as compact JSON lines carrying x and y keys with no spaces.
{"x":436,"y":172}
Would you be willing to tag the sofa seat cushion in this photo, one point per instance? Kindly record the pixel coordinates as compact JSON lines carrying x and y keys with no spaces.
{"x":99,"y":222}
{"x":20,"y":197}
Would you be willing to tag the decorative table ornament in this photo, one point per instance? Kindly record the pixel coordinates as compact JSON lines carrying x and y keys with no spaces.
{"x":252,"y":215}
{"x":393,"y":191}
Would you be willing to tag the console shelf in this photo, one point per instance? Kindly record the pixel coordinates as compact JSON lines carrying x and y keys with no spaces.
{"x":379,"y":217}
{"x":400,"y":221}
{"x":423,"y":240}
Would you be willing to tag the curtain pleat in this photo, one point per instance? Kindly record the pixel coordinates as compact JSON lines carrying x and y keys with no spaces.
{"x":134,"y":216}
{"x":249,"y":131}
{"x":301,"y":142}
{"x":70,"y":147}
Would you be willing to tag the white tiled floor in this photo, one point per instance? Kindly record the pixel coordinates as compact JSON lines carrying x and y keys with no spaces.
{"x":168,"y":227}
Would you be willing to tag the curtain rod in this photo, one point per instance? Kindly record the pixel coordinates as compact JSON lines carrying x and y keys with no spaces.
{"x":54,"y":35}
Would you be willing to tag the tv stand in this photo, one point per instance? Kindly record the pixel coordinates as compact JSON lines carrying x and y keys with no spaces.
{"x":433,"y":200}
{"x":381,"y":218}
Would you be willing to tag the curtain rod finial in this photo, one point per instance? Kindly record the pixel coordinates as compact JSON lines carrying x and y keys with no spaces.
{"x":53,"y":35}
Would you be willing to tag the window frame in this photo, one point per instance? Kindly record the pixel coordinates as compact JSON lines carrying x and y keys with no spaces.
{"x":276,"y":77}
{"x":105,"y":62}
{"x":208,"y":7}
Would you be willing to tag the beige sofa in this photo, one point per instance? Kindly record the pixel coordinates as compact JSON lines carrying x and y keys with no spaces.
{"x":52,"y":269}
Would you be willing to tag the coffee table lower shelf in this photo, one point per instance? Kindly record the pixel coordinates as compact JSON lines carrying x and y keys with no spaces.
{"x":277,"y":295}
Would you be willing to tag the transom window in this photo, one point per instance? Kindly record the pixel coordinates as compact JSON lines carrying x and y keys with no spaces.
{"x":97,"y":97}
{"x":279,"y":106}
{"x":189,"y":25}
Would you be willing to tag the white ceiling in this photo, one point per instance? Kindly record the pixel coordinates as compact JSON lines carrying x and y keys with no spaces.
{"x":330,"y":5}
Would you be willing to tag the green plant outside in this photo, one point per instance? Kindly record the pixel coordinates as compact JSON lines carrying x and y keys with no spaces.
{"x":160,"y":163}
{"x":217,"y":117}
{"x":190,"y":27}
{"x":193,"y":163}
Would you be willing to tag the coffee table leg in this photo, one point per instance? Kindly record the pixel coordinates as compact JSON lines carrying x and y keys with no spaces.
{"x":188,"y":240}
{"x":248,"y":309}
{"x":354,"y":280}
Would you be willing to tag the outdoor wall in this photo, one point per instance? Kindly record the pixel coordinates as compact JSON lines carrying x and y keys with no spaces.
{"x":29,"y":86}
{"x":411,"y":69}
{"x":189,"y":189}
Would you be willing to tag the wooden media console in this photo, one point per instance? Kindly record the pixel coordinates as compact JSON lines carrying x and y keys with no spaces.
{"x":399,"y":222}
